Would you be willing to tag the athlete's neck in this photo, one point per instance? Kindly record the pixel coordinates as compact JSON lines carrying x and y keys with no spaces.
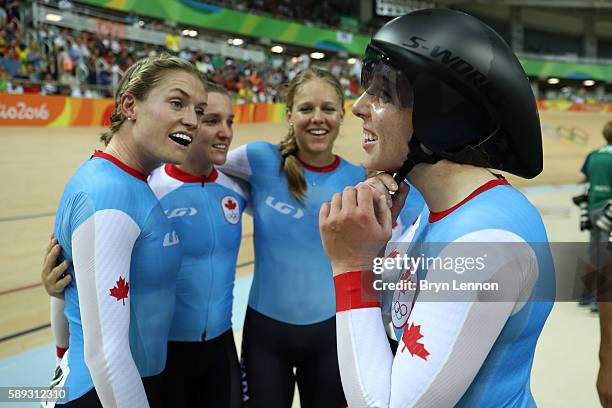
{"x":123,"y":147}
{"x":316,"y":159}
{"x":445,"y":184}
{"x":199,"y":168}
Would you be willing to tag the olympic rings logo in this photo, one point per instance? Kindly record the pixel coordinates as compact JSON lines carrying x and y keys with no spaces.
{"x":399,"y":309}
{"x":573,"y":134}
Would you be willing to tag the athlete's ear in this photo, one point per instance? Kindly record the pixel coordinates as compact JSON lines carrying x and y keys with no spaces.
{"x":128,"y":105}
{"x":288,"y":116}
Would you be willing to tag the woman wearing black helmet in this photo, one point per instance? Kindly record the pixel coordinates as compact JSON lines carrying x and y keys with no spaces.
{"x":445,"y":101}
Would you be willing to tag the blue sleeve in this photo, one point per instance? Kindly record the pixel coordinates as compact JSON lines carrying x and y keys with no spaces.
{"x":250,"y":160}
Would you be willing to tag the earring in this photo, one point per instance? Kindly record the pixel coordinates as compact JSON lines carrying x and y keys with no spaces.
{"x":129,"y":118}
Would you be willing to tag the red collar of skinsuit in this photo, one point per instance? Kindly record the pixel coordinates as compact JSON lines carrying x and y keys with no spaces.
{"x":185,"y":177}
{"x":437,"y":216}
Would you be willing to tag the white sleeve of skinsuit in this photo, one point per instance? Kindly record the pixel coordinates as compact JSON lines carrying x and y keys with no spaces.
{"x":456,"y":335}
{"x":102,"y":249}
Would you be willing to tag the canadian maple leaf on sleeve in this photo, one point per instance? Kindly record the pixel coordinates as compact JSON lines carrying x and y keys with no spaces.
{"x":410,"y":337}
{"x":121,"y":289}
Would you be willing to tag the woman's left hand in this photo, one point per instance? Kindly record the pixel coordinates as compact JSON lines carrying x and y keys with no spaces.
{"x":52,"y":274}
{"x":354,"y":227}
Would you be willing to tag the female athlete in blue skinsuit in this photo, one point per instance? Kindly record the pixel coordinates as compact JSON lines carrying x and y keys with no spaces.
{"x":290,"y":320}
{"x":124,"y":258}
{"x":445,"y":100}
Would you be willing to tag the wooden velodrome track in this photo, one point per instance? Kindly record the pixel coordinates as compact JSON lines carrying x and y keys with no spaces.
{"x":36,"y":163}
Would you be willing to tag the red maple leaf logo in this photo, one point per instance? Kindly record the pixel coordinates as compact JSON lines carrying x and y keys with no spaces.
{"x":412,"y":335}
{"x":120,"y":291}
{"x":230,"y":205}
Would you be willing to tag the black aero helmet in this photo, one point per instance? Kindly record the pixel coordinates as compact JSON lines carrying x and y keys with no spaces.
{"x":472,"y":100}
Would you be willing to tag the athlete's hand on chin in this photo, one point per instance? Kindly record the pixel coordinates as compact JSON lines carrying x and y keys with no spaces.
{"x":354,"y":227}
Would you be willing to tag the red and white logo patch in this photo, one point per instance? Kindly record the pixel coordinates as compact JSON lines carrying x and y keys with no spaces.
{"x":231,"y":209}
{"x":410,"y":338}
{"x":120,"y":290}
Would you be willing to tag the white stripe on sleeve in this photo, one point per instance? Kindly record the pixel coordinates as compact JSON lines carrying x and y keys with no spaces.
{"x":102,"y":250}
{"x":237,"y":163}
{"x":365,"y":358}
{"x":59,"y":323}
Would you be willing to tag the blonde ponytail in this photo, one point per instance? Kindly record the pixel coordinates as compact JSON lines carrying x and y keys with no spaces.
{"x":291,"y":165}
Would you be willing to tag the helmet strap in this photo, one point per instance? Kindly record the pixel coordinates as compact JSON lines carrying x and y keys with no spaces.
{"x":417,"y":153}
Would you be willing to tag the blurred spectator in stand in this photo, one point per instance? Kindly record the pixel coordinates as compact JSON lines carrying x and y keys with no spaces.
{"x":173,"y":41}
{"x":49,"y":86}
{"x":131,"y":19}
{"x":106,"y":44}
{"x":67,"y":77}
{"x":122,"y":60}
{"x":74,"y":51}
{"x":355,"y":69}
{"x":65,"y":62}
{"x":4,"y":81}
{"x":203,"y":63}
{"x":102,"y":69}
{"x":33,"y":56}
{"x":10,"y":62}
{"x":186,"y":54}
{"x":45,"y":31}
{"x":30,"y":88}
{"x":15,"y":88}
{"x":64,"y":91}
{"x":147,"y":51}
{"x":335,"y":67}
{"x":22,"y":52}
{"x":580,"y":96}
{"x":82,"y":91}
{"x":12,"y":8}
{"x":81,"y":72}
{"x":98,"y":44}
{"x":304,"y":60}
{"x":65,"y":5}
{"x":52,"y":67}
{"x":12,"y":29}
{"x":276,"y":78}
{"x":3,"y":42}
{"x":60,"y":41}
{"x":286,"y":9}
{"x":3,"y":15}
{"x":115,"y":47}
{"x":115,"y":72}
{"x":33,"y":74}
{"x":131,"y":61}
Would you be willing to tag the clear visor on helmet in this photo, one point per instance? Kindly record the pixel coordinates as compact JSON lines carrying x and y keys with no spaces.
{"x":382,"y":80}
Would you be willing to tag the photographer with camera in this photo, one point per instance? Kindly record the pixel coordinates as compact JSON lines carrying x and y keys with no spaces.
{"x":597,"y":171}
